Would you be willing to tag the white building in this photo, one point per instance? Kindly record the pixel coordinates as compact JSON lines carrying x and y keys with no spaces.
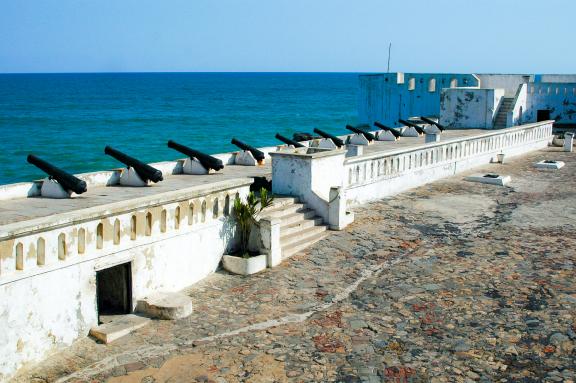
{"x":468,"y":100}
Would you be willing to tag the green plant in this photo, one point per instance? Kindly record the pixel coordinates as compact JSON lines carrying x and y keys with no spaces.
{"x":246,"y":215}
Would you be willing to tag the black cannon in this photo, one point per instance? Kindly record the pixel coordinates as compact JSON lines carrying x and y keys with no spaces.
{"x":288,"y":141}
{"x":303,"y":136}
{"x":369,"y":136}
{"x":432,"y":122}
{"x":394,"y":132}
{"x":415,"y":126}
{"x":338,"y":142}
{"x":65,"y":179}
{"x":258,"y":155}
{"x":144,"y":171}
{"x":207,"y":161}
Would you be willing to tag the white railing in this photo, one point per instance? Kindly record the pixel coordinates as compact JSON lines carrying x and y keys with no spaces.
{"x":380,"y":166}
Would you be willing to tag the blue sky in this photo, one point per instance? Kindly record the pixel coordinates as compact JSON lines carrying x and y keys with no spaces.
{"x":527,"y":36}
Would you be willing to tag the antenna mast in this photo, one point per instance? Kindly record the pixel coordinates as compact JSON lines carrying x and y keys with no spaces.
{"x":389,"y":49}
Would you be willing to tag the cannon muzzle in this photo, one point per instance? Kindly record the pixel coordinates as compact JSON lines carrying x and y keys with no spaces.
{"x":288,"y":141}
{"x":66,"y":180}
{"x":394,"y":132}
{"x":432,"y":122}
{"x":258,"y":155}
{"x":207,"y":161}
{"x":145,"y":171}
{"x":369,"y":136}
{"x":415,"y":126}
{"x":338,"y":142}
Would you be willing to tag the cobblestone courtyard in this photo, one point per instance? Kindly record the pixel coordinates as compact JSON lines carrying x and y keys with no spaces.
{"x":451,"y":282}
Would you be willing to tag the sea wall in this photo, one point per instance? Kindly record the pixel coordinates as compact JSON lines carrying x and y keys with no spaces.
{"x":48,"y":269}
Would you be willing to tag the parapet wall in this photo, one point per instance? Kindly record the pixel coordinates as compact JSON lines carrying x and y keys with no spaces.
{"x":379,"y":176}
{"x":48,"y":265}
{"x":112,"y":177}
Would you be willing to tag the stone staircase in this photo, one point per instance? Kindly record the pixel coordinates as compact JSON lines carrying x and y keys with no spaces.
{"x":299,"y":228}
{"x":500,"y":120}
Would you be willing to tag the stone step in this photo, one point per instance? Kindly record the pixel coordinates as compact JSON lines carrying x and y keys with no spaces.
{"x":296,"y":217}
{"x":294,"y":248}
{"x":305,"y":224}
{"x":301,"y":235}
{"x":282,"y":211}
{"x":280,"y":201}
{"x":117,"y":326}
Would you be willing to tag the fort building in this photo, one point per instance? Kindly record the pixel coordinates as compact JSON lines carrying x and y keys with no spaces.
{"x":66,"y":264}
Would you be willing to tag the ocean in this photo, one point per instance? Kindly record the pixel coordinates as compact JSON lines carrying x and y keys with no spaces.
{"x":68,"y":119}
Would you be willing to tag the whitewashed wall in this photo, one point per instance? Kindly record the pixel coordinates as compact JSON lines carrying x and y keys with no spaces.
{"x":389,"y":96}
{"x":470,"y":108}
{"x":381,"y":175}
{"x":508,"y":82}
{"x":48,"y":298}
{"x":559,"y":98}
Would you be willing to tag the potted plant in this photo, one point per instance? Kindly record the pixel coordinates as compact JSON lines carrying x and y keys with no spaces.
{"x":246,"y":215}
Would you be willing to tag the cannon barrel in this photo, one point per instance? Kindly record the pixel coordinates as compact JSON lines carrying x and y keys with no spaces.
{"x":415,"y":126}
{"x":369,"y":136}
{"x":65,"y":179}
{"x":145,"y":171}
{"x":207,"y":161}
{"x":258,"y":155}
{"x":439,"y":125}
{"x":288,"y":141}
{"x":338,"y":142}
{"x":384,"y":127}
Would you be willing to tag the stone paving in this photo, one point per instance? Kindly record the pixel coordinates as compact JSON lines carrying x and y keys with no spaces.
{"x":452,"y":282}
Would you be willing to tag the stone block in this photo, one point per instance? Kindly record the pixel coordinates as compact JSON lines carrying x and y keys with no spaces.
{"x":492,"y":179}
{"x":118,"y":327}
{"x":548,"y":164}
{"x":162,"y":305}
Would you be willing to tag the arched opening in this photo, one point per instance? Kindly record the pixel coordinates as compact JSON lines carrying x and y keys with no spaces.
{"x":148,"y":224}
{"x":19,"y":257}
{"x":227,"y":205}
{"x":81,"y":241}
{"x":177,"y":218}
{"x":215,"y":208}
{"x":190,"y":213}
{"x":62,"y":246}
{"x":520,"y":116}
{"x":40,"y":252}
{"x":133,"y":227}
{"x":100,"y":236}
{"x":117,"y":231}
{"x":163,"y":219}
{"x":412,"y":84}
{"x":454,"y":83}
{"x":432,"y":85}
{"x":203,"y":211}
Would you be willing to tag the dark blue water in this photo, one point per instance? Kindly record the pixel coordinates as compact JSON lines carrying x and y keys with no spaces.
{"x":69,"y":118}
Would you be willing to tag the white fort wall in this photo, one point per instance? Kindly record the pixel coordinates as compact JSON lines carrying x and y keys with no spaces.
{"x":382,"y":175}
{"x":48,"y":271}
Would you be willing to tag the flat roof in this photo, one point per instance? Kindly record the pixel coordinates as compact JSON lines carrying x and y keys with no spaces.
{"x":23,"y":209}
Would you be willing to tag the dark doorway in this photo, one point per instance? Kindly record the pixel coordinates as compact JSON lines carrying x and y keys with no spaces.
{"x":114,"y":290}
{"x":543,"y":115}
